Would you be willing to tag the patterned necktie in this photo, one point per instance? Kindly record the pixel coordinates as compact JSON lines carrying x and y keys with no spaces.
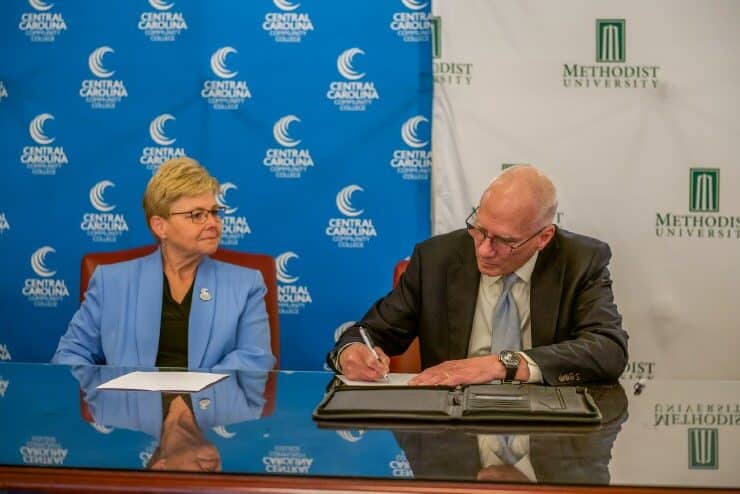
{"x":506,"y":333}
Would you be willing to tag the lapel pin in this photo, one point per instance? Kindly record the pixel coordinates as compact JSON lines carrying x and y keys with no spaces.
{"x":204,"y":403}
{"x":205,"y":295}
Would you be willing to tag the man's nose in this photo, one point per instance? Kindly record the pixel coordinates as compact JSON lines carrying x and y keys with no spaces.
{"x":486,"y":247}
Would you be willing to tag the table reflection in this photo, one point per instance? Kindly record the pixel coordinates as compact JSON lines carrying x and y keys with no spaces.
{"x":520,"y":454}
{"x":175,"y":420}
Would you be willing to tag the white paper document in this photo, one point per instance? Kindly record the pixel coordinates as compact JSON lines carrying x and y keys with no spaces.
{"x":394,"y":379}
{"x":183,"y":382}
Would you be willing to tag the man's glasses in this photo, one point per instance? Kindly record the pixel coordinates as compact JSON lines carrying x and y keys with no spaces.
{"x":502,"y":246}
{"x":200,"y":215}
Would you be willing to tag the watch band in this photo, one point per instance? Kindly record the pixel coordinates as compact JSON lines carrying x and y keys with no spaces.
{"x":510,"y":373}
{"x":510,"y":360}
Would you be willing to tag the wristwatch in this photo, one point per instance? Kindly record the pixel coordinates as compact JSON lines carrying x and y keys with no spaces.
{"x":511,"y":363}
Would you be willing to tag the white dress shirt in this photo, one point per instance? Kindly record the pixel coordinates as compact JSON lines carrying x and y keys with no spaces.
{"x":489,"y":448}
{"x":489,"y":292}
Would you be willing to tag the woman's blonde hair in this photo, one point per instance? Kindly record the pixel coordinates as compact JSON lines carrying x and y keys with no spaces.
{"x":176,"y":178}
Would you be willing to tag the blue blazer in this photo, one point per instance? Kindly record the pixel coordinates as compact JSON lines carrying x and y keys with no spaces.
{"x":118,"y":322}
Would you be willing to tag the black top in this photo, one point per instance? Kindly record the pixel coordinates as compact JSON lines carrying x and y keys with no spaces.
{"x":173,"y":329}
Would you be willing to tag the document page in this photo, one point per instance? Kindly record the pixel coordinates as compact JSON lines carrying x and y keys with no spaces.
{"x":186,"y":382}
{"x":394,"y":379}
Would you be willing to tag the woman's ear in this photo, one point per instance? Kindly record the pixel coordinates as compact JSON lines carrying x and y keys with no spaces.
{"x":159,"y":226}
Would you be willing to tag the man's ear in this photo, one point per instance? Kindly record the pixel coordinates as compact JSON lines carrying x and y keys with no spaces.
{"x":159,"y":226}
{"x":545,"y":236}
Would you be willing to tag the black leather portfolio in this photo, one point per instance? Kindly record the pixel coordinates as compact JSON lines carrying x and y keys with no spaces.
{"x":503,"y":403}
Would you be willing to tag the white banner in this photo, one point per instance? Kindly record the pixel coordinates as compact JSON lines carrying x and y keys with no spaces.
{"x":630,"y":108}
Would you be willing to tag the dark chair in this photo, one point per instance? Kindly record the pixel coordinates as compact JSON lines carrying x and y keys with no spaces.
{"x":262,"y":262}
{"x":410,"y":360}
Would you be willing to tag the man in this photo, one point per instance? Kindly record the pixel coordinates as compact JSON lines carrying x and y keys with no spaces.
{"x":553,"y":320}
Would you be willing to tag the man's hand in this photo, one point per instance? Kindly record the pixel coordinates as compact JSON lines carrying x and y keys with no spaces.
{"x":474,"y":370}
{"x":358,"y":363}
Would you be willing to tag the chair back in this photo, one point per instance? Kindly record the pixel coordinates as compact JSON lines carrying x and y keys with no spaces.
{"x":264,"y":263}
{"x":410,"y":360}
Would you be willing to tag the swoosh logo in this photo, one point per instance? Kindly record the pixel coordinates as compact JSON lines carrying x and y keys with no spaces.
{"x":95,"y":61}
{"x":156,"y":130}
{"x":96,"y":196}
{"x":40,"y":5}
{"x":345,"y":64}
{"x":414,"y":4}
{"x":36,"y":129}
{"x":281,"y":264}
{"x":38,"y":262}
{"x":161,"y":5}
{"x":344,"y":201}
{"x":286,"y":5}
{"x":280,"y":131}
{"x":409,"y":132}
{"x":218,"y":63}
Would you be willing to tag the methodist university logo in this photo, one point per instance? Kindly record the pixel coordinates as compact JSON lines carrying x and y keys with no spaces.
{"x":703,"y":449}
{"x":610,"y":40}
{"x":611,"y":69}
{"x":702,"y":219}
{"x":704,"y":197}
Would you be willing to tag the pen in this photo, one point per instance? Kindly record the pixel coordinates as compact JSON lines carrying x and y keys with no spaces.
{"x":369,"y":344}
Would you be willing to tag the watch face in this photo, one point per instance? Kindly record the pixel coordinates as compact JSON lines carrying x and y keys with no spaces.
{"x":509,"y":358}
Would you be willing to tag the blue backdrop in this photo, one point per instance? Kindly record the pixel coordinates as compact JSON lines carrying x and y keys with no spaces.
{"x":315,"y":116}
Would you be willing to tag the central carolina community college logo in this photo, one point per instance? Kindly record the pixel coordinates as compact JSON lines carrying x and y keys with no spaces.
{"x":353,"y":95}
{"x":414,"y":26}
{"x":287,"y":161}
{"x":161,"y":24}
{"x":292,"y":297}
{"x":610,"y":71}
{"x":287,"y":459}
{"x":704,"y":193}
{"x":3,"y":91}
{"x":351,"y":231}
{"x":153,"y":156}
{"x":703,"y":449}
{"x":42,"y":159}
{"x":102,"y":93}
{"x":43,"y":450}
{"x":102,"y":225}
{"x":42,"y":25}
{"x":233,"y":228}
{"x":414,"y":163}
{"x":400,"y":466}
{"x":4,"y":353}
{"x":44,"y":291}
{"x":224,"y":93}
{"x":287,"y":26}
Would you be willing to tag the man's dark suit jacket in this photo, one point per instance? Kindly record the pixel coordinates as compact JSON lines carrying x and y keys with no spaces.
{"x":577,"y":333}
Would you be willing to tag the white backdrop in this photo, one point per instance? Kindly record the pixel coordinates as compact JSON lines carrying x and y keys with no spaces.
{"x":621,"y":134}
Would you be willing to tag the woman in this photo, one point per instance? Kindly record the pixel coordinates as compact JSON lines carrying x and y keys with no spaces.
{"x":176,"y":307}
